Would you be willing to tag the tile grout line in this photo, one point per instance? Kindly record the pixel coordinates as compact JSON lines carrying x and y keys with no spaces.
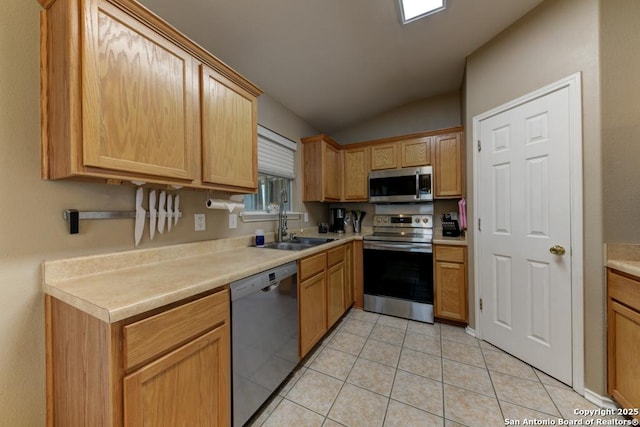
{"x":495,"y":392}
{"x":350,"y":370}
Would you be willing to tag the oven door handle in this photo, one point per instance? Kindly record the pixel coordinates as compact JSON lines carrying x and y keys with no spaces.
{"x":399,"y":247}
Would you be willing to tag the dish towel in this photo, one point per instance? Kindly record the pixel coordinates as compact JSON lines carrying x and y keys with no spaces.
{"x":462,"y":213}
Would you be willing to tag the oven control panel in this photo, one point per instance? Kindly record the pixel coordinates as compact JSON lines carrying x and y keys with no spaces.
{"x":405,"y":221}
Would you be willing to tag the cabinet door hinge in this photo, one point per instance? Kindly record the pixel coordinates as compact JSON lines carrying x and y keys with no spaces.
{"x":480,"y":303}
{"x":479,"y":146}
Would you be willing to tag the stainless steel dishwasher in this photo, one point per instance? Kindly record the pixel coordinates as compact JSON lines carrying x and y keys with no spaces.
{"x":264,"y":329}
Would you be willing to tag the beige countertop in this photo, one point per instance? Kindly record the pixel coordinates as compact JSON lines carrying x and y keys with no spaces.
{"x":624,"y":258}
{"x":113,"y":287}
{"x":439,"y":239}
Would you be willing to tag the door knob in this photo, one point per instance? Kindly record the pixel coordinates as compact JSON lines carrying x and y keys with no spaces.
{"x":557,"y":250}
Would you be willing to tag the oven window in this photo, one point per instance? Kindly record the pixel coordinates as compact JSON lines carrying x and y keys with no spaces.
{"x":404,"y":275}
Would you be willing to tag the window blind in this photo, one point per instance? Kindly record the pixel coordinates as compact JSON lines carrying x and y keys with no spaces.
{"x":276,"y":154}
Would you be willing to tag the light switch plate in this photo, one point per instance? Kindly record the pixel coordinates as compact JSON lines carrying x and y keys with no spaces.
{"x":200,"y":221}
{"x":233,"y":220}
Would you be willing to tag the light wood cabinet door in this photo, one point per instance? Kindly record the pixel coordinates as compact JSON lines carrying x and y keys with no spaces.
{"x":139,"y":97}
{"x":313,"y":311}
{"x":358,"y":273}
{"x":229,"y":133}
{"x":321,"y":169}
{"x":189,"y":386}
{"x":348,"y":275}
{"x":335,"y":293}
{"x":450,"y":283}
{"x":384,"y":156}
{"x":332,"y":171}
{"x":448,"y":166}
{"x":416,"y":152}
{"x":356,"y":174}
{"x":623,"y":339}
{"x":624,"y":354}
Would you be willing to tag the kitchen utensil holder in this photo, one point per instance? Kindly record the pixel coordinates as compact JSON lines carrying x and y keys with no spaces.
{"x":73,"y":217}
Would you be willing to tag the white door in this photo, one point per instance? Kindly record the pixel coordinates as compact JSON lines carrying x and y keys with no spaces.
{"x":524,"y":208}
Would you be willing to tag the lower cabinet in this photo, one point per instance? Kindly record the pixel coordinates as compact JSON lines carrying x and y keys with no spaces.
{"x":623,"y":340}
{"x":335,"y":284}
{"x":349,"y":275}
{"x":170,"y":368}
{"x":312,"y":300}
{"x":450,"y":277}
{"x":326,"y":292}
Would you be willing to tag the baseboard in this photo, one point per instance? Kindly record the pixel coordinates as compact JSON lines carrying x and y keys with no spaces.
{"x":471,"y":331}
{"x":604,"y":402}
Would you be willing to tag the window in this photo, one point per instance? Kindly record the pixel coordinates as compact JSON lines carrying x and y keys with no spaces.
{"x":276,"y":171}
{"x":268,"y":197}
{"x":412,"y":10}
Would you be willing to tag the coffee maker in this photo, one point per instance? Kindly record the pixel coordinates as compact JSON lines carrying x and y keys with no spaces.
{"x":336,"y":219}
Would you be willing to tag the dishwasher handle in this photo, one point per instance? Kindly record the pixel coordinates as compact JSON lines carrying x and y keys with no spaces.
{"x":270,"y":287}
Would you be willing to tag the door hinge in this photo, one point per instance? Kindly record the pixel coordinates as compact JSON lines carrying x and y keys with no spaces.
{"x":479,"y":146}
{"x":479,"y":224}
{"x":480,"y":303}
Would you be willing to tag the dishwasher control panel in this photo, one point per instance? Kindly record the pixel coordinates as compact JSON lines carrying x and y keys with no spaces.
{"x":262,"y":280}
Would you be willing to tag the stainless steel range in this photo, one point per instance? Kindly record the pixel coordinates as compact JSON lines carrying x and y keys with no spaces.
{"x":398,"y":262}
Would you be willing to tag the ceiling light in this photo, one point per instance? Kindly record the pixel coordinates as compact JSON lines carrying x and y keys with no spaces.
{"x":412,"y":10}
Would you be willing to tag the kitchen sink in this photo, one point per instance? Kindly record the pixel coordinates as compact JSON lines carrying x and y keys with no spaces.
{"x":298,"y":243}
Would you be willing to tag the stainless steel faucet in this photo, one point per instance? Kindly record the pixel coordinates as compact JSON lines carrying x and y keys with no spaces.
{"x":282,"y":217}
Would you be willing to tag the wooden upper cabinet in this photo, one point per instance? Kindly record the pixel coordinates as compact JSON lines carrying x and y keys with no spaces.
{"x":448,"y":166}
{"x":416,"y":152}
{"x":333,"y":172}
{"x":356,"y":174}
{"x":138,"y":113}
{"x":321,"y":169}
{"x":121,"y":100}
{"x":229,"y":135}
{"x":384,"y":156}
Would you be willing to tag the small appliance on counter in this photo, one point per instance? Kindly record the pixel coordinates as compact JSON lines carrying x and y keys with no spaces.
{"x":336,"y":220}
{"x":450,"y":227}
{"x":323,"y":228}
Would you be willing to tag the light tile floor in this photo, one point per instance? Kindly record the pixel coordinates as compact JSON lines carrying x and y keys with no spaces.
{"x":376,"y":370}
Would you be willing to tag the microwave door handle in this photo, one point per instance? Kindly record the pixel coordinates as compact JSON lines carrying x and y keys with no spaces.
{"x":417,"y":185}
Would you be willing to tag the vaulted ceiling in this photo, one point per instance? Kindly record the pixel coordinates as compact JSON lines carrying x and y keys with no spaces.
{"x":337,"y":62}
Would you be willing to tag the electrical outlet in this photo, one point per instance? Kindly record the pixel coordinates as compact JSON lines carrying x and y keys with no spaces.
{"x":200,"y":221}
{"x":306,"y":217}
{"x":233,"y":220}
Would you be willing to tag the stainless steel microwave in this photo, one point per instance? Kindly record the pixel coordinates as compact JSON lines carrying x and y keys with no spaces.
{"x":404,"y":185}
